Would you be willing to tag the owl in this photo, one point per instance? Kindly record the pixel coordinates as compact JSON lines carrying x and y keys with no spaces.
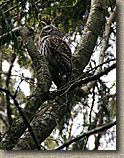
{"x":58,"y":54}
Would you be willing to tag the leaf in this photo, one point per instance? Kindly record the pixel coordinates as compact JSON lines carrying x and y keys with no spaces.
{"x":30,"y":63}
{"x":60,"y":25}
{"x":108,"y":24}
{"x":21,"y":63}
{"x":70,"y":22}
{"x":66,"y":35}
{"x":51,"y":11}
{"x":70,"y":30}
{"x":113,"y":84}
{"x":75,"y":2}
{"x":100,"y":38}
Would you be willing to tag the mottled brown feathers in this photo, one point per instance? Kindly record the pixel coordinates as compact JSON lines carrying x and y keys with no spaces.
{"x":57,"y":52}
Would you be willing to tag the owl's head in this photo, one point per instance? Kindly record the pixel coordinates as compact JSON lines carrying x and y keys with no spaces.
{"x":50,"y":30}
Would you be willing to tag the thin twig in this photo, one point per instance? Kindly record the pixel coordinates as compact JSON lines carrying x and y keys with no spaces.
{"x":23,"y":116}
{"x":3,"y":4}
{"x":10,"y":9}
{"x":90,"y":115}
{"x":93,"y":131}
{"x":87,"y":72}
{"x":78,"y":82}
{"x":18,"y":87}
{"x":9,"y":112}
{"x":23,"y":79}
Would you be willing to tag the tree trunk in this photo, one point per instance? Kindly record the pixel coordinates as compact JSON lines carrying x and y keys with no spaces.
{"x":44,"y":121}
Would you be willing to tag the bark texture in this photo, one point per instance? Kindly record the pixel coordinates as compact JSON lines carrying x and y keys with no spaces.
{"x":44,"y":121}
{"x":93,"y":28}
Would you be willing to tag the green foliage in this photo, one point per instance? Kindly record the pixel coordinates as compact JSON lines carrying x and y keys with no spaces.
{"x":21,"y":63}
{"x":70,"y":17}
{"x":70,"y":22}
{"x":75,"y":2}
{"x":51,"y":143}
{"x":70,"y":30}
{"x":30,"y":63}
{"x":59,"y":26}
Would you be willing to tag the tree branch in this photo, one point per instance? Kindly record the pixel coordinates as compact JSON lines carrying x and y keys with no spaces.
{"x":4,"y":3}
{"x":107,"y":32}
{"x":79,"y":81}
{"x":89,"y":37}
{"x":40,"y":95}
{"x":12,"y":8}
{"x":93,"y":131}
{"x":9,"y":35}
{"x":50,"y":114}
{"x":23,"y":116}
{"x":47,"y":120}
{"x":9,"y":113}
{"x":104,"y":45}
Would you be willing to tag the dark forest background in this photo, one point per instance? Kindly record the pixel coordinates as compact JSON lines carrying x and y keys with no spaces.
{"x":78,"y":116}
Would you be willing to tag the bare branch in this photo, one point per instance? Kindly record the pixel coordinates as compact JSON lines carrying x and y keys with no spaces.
{"x":90,"y":34}
{"x":41,"y":93}
{"x":104,"y":45}
{"x":10,"y":35}
{"x":44,"y":123}
{"x":51,"y":114}
{"x":4,"y":3}
{"x":79,"y":81}
{"x":105,"y":40}
{"x":23,"y":116}
{"x":9,"y":113}
{"x":12,"y":8}
{"x":93,"y":131}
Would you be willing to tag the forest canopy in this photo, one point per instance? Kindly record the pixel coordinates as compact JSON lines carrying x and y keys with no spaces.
{"x":34,"y":113}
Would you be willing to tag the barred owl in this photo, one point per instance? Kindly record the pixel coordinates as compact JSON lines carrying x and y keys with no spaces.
{"x":57,"y":53}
